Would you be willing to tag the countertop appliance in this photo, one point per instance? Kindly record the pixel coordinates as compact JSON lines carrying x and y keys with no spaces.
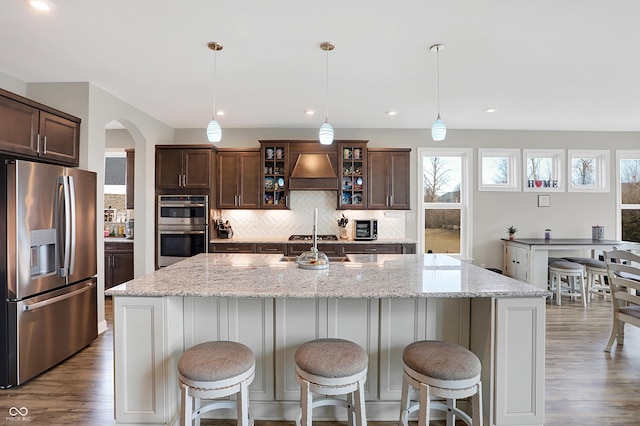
{"x":365,"y":229}
{"x":182,"y":227}
{"x":48,"y":296}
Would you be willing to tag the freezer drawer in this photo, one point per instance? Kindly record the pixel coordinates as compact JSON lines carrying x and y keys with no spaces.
{"x":50,"y":328}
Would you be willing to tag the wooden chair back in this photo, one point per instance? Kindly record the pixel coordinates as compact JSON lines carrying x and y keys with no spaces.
{"x":623,"y":271}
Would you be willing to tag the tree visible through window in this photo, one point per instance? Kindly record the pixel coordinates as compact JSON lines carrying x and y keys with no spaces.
{"x":630,"y":198}
{"x":442,"y":181}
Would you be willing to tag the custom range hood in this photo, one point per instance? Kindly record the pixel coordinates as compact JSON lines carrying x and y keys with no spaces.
{"x":313,"y":171}
{"x":312,"y":166}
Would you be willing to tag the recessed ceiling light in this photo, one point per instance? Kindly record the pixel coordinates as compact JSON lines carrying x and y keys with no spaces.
{"x":490,"y":110}
{"x":309,"y":112}
{"x":219,"y":112}
{"x":392,"y":113}
{"x":43,"y":5}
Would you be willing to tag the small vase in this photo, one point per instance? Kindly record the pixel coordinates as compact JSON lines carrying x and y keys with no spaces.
{"x":342,"y":233}
{"x":512,"y":236}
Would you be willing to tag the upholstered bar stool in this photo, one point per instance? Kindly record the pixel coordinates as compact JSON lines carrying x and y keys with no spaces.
{"x":595,"y":272}
{"x":331,"y":367}
{"x":443,"y":370}
{"x":214,"y":370}
{"x":574,"y":274}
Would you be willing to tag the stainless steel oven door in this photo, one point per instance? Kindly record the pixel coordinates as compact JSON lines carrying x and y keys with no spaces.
{"x":183,"y":210}
{"x":177,"y":243}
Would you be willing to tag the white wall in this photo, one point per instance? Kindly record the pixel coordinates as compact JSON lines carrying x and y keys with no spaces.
{"x":13,"y":84}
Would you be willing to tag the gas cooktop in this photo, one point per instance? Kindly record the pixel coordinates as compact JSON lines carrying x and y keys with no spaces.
{"x":310,"y":238}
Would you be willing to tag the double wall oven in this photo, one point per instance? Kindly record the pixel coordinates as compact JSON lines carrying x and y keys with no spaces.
{"x":182,"y":227}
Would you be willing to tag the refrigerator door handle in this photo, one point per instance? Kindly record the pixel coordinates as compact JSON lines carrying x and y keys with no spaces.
{"x":64,"y":269}
{"x":34,"y":306}
{"x":72,"y":216}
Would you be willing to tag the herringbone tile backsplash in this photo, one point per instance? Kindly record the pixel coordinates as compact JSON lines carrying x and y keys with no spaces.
{"x":279,"y":224}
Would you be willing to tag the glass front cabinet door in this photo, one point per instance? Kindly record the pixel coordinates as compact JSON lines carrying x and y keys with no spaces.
{"x":353,"y":176}
{"x":275,"y":176}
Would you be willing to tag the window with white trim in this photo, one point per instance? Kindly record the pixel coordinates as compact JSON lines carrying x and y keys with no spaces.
{"x":498,"y":169}
{"x":628,"y":194}
{"x":588,"y":171}
{"x":446,"y":197}
{"x":543,"y":170}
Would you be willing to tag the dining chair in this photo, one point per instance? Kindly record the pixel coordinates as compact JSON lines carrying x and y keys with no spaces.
{"x":623,"y":271}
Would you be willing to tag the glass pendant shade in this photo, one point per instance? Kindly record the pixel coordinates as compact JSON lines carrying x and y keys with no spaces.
{"x":326,"y":134}
{"x":214,"y":131}
{"x":438,"y":130}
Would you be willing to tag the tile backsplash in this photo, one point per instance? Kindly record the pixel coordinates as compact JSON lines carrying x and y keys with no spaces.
{"x":299,"y":219}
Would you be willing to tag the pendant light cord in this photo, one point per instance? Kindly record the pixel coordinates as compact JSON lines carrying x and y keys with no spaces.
{"x":215,"y":61}
{"x":326,"y":116}
{"x":438,"y":73}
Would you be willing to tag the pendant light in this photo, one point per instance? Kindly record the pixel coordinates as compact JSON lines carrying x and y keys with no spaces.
{"x":214,"y":131}
{"x":438,"y":130}
{"x":326,"y":130}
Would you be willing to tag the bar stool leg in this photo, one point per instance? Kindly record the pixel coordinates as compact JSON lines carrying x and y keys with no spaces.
{"x":242,"y":405}
{"x":306,"y":402}
{"x":425,"y":405}
{"x":186,"y":402}
{"x":361,"y":417}
{"x":451,"y":417}
{"x":404,"y":401}
{"x":476,"y":406}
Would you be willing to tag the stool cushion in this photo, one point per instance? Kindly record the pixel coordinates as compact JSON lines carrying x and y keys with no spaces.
{"x":587,"y":261}
{"x":212,"y":361}
{"x":331,"y":358}
{"x":441,"y":360}
{"x":566,"y":265}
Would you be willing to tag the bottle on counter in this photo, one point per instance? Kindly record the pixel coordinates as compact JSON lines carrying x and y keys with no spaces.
{"x":547,"y":234}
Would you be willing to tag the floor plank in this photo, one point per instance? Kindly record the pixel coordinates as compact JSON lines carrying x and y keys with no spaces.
{"x":584,"y":385}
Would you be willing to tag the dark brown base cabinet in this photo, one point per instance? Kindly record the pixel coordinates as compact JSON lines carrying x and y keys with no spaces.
{"x":30,"y":130}
{"x":118,"y":263}
{"x":295,"y":249}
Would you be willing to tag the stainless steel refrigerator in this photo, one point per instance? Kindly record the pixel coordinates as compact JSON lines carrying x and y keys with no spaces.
{"x":48,"y":305}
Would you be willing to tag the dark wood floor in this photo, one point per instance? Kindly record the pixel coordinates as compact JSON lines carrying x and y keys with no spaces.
{"x":584,"y":385}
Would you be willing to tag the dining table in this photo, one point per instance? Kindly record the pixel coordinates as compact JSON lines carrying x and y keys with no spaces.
{"x":537,"y":251}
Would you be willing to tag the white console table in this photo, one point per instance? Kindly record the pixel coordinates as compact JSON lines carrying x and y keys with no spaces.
{"x":526,"y":259}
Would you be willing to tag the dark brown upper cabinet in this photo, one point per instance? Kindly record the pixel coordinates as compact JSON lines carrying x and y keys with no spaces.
{"x":388,"y":179}
{"x":238,"y":185}
{"x":183,"y":167}
{"x":34,"y":131}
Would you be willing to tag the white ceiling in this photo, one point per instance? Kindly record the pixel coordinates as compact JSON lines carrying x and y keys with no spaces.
{"x":545,"y":64}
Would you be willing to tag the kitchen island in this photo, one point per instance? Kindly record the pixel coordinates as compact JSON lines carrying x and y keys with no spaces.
{"x":382,"y":302}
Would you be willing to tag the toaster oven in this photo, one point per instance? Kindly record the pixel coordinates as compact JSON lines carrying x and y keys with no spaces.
{"x":365,"y":229}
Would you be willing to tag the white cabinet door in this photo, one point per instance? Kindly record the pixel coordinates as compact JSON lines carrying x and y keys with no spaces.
{"x":248,"y":321}
{"x":147,"y":346}
{"x":301,"y":320}
{"x":404,"y":321}
{"x":519,"y":361}
{"x":516,"y":262}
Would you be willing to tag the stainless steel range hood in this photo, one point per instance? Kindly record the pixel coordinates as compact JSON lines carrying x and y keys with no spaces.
{"x":313,"y":171}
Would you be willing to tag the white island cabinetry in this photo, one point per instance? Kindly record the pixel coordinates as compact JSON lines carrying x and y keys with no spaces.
{"x":377,"y":302}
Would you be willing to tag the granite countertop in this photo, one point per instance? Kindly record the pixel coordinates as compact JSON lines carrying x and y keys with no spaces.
{"x":262,"y":240}
{"x":364,"y":276}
